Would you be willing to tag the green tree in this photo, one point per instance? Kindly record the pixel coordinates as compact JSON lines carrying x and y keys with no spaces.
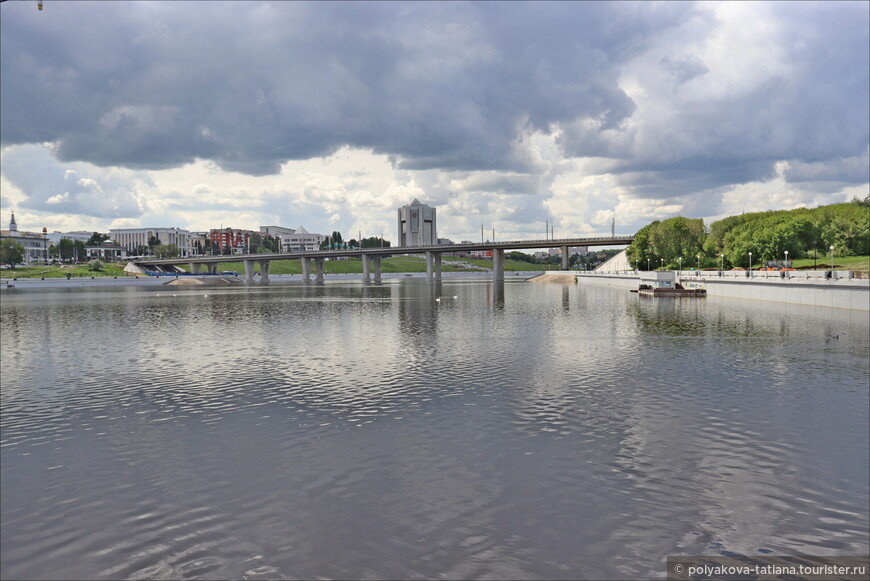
{"x":255,"y":242}
{"x":521,"y":256}
{"x":152,"y":242}
{"x":66,"y":249}
{"x":271,"y":243}
{"x":375,"y":242}
{"x":11,"y":252}
{"x":96,"y":239}
{"x":78,"y":250}
{"x":640,"y":249}
{"x":166,"y":251}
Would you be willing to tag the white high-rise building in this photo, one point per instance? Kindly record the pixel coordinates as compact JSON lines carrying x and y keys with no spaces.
{"x":417,"y":225}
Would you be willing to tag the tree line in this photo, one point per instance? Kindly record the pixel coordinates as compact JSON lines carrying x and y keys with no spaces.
{"x":803,"y":232}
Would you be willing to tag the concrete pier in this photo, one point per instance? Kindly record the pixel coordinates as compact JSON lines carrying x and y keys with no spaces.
{"x":306,"y":269}
{"x":377,"y":261}
{"x":498,"y":265}
{"x":264,"y":271}
{"x":365,"y":267}
{"x":433,"y":266}
{"x":318,"y":270}
{"x":565,"y":257}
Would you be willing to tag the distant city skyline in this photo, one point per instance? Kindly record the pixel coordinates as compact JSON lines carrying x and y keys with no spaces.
{"x":503,"y":115}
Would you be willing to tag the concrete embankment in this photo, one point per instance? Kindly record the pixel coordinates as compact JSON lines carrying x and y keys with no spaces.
{"x":840,"y":292}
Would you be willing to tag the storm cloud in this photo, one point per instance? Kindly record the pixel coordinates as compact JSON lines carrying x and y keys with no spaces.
{"x":674,"y":99}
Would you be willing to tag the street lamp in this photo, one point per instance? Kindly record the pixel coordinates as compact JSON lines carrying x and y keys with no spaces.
{"x":45,"y":244}
{"x":721,"y":262}
{"x":786,"y":260}
{"x":698,"y":256}
{"x":750,"y":264}
{"x":647,"y":263}
{"x":832,"y":260}
{"x":663,"y":263}
{"x":681,"y":266}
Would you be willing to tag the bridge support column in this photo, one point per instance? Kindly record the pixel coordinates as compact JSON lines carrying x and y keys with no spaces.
{"x":318,"y":270}
{"x":565,"y":258}
{"x":306,"y":269}
{"x":249,"y":271}
{"x":498,"y":265}
{"x":365,"y":265}
{"x":194,"y":267}
{"x":429,"y":266}
{"x":438,"y":266}
{"x":264,"y":271}
{"x":377,"y":260}
{"x":212,"y":268}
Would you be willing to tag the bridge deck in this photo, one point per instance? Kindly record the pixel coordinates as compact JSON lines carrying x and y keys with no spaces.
{"x":508,"y":245}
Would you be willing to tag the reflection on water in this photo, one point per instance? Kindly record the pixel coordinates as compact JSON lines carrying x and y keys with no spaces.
{"x":394,"y":431}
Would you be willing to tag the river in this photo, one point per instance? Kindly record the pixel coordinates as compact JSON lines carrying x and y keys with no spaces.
{"x":421,"y":430}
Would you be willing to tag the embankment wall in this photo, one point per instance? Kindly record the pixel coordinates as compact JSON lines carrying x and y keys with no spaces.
{"x":841,"y":292}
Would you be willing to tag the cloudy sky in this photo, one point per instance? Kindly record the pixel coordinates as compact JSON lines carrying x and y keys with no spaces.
{"x":331,"y":115}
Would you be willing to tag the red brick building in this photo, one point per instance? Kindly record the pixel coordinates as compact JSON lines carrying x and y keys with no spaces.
{"x":238,"y":241}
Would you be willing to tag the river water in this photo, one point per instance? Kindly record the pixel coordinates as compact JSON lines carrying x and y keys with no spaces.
{"x":414,"y":430}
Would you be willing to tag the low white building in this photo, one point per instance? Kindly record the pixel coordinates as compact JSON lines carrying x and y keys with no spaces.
{"x":54,"y":238}
{"x":132,"y":238}
{"x":294,"y":239}
{"x":35,"y":244}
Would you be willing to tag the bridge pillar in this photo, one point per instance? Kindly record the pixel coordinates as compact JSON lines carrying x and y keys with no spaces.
{"x":249,"y":271}
{"x":498,"y":265}
{"x":365,"y":265}
{"x":212,"y":268}
{"x":264,"y":271}
{"x":194,"y":267}
{"x":429,"y":266}
{"x":565,"y":263}
{"x":318,"y":270}
{"x":377,"y":260}
{"x":438,"y":266}
{"x":306,"y":269}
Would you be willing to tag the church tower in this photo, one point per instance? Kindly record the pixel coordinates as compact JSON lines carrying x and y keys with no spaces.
{"x":13,"y":227}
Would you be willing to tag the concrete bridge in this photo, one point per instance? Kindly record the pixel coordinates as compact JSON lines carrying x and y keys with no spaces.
{"x":371,"y":257}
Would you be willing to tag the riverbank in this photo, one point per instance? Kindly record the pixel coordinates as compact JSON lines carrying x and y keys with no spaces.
{"x":25,"y":284}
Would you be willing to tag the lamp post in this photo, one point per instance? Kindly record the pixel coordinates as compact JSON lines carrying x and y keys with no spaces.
{"x":45,"y":244}
{"x":681,"y":267}
{"x":832,"y":260}
{"x":786,"y":260}
{"x":663,"y":263}
{"x":647,"y":263}
{"x":698,"y":256}
{"x":750,"y":265}
{"x":721,"y":263}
